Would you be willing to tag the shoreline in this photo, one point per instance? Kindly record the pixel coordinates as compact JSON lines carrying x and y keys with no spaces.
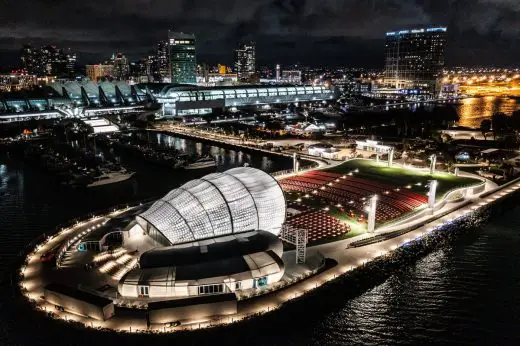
{"x":305,"y":286}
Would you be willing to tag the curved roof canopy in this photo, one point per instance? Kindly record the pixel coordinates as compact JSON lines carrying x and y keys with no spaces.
{"x":238,"y":200}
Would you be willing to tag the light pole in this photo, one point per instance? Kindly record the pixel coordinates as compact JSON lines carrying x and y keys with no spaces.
{"x":296,"y":163}
{"x":372,"y":214}
{"x":431,"y":194}
{"x":433,"y":162}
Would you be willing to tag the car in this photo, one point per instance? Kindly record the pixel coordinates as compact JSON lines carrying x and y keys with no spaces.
{"x":173,"y":324}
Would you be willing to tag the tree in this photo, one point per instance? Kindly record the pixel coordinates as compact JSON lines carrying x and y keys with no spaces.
{"x":499,"y":123}
{"x":515,"y":120}
{"x":485,"y":127}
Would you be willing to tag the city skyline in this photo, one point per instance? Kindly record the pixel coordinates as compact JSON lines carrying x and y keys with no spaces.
{"x":481,"y":32}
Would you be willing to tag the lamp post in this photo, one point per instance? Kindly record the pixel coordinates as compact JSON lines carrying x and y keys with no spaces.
{"x":372,"y":214}
{"x":431,"y":194}
{"x":433,"y":161}
{"x":296,"y":163}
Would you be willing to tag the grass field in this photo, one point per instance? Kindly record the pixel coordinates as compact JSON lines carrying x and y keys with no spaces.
{"x":402,"y":177}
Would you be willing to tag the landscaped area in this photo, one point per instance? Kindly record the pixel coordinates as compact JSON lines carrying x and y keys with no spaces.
{"x":331,"y":204}
{"x":402,"y":177}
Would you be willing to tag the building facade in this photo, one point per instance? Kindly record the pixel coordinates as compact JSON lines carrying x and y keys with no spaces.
{"x":216,"y":234}
{"x":99,"y":71}
{"x":121,"y":67}
{"x":179,"y":101}
{"x":292,"y":76}
{"x":245,"y":61}
{"x":17,"y":80}
{"x":414,"y":58}
{"x":182,"y":58}
{"x":48,"y":61}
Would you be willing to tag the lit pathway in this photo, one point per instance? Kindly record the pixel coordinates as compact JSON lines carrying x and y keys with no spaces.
{"x":38,"y":274}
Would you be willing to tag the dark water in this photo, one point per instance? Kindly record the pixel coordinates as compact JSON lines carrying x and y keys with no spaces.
{"x":465,"y":293}
{"x":475,"y":109}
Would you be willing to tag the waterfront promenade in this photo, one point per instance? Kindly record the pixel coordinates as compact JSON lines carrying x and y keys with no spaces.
{"x":37,"y":274}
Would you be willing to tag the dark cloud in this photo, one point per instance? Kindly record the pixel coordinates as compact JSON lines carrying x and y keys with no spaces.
{"x":308,"y":31}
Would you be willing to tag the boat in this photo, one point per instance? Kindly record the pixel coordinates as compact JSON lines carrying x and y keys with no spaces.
{"x":111,"y":178}
{"x":206,"y":162}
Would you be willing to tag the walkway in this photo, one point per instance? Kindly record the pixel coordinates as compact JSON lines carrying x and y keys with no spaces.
{"x":38,"y":274}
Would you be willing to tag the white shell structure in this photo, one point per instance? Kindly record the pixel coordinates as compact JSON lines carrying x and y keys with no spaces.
{"x":238,"y":200}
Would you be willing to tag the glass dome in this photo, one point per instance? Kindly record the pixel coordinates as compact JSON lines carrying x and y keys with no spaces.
{"x":238,"y":200}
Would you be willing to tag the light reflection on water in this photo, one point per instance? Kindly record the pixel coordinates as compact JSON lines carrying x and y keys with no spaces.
{"x":225,"y":158}
{"x":475,"y":109}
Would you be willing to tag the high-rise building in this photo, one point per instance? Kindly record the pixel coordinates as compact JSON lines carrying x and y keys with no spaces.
{"x":162,"y":62}
{"x":245,"y":61}
{"x":30,"y":59}
{"x":71,"y":63}
{"x":121,"y":69}
{"x":414,"y":58}
{"x":183,"y":63}
{"x":48,"y":61}
{"x":100,"y":71}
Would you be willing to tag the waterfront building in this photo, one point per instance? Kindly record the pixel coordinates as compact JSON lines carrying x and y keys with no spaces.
{"x":245,"y":60}
{"x":414,"y":59}
{"x":178,"y":101}
{"x":217,"y":234}
{"x":182,"y":58}
{"x":172,"y":100}
{"x":99,"y":71}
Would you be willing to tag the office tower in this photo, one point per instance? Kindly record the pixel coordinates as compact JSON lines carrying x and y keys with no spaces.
{"x":183,"y":64}
{"x":30,"y":59}
{"x":71,"y":63}
{"x":414,"y":58}
{"x":121,"y":70}
{"x":245,"y":61}
{"x":48,"y":61}
{"x":160,"y":67}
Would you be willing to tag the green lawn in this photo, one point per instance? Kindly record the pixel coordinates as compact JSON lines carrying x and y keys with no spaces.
{"x":402,"y":177}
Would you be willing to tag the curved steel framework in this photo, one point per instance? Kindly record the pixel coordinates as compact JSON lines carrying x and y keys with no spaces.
{"x":238,"y":200}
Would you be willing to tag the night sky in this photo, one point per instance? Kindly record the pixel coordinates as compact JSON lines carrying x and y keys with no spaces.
{"x":327,"y":32}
